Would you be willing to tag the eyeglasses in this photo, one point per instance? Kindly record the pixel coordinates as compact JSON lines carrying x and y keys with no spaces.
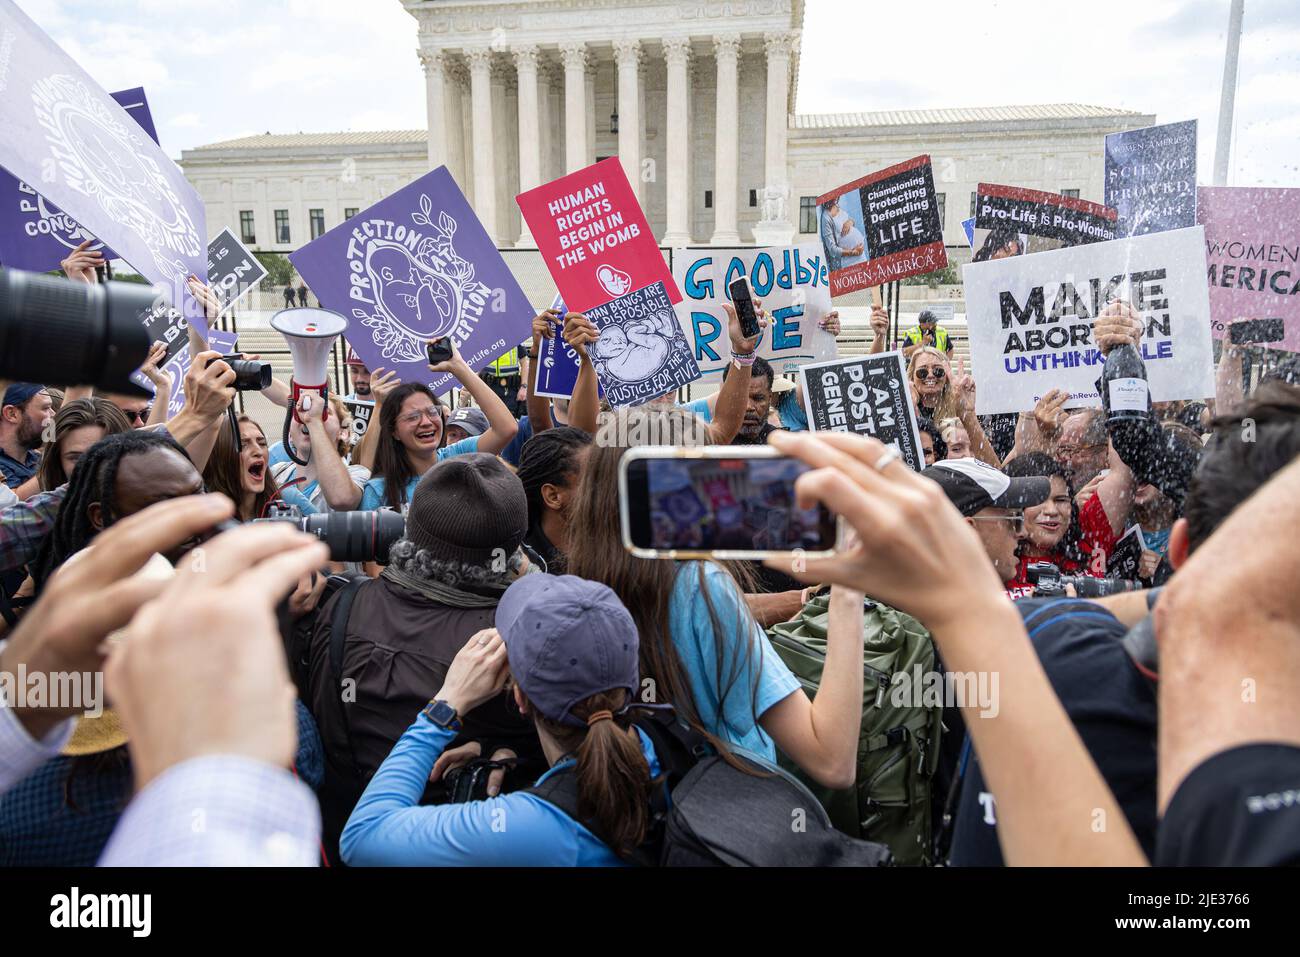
{"x":937,"y":374}
{"x":1076,"y":449}
{"x":1016,"y":520}
{"x":419,"y":415}
{"x":140,"y":415}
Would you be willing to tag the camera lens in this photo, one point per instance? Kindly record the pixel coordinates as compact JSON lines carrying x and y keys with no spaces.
{"x":58,"y":332}
{"x":357,"y":536}
{"x":251,"y":375}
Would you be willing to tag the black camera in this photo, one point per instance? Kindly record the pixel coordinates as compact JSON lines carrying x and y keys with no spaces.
{"x":1048,"y":582}
{"x":250,"y":374}
{"x":351,"y":536}
{"x":439,"y":350}
{"x":58,"y":332}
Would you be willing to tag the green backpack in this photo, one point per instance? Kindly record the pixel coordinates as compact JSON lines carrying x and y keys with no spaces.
{"x":898,"y":750}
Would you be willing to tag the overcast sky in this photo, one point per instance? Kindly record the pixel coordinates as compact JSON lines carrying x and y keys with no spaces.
{"x":217,"y":69}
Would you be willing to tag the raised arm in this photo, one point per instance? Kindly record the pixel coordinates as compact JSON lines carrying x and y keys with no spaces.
{"x":162,"y":384}
{"x":584,"y":408}
{"x":336,"y":484}
{"x":733,"y":396}
{"x":382,"y":385}
{"x":539,"y":406}
{"x":501,"y":424}
{"x":980,"y":446}
{"x":209,"y":390}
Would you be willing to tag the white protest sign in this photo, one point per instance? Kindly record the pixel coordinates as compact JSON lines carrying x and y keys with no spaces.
{"x":793,"y":284}
{"x":1030,"y":319}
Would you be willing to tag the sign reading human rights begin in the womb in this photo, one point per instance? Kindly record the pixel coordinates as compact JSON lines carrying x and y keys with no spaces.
{"x":594,"y":237}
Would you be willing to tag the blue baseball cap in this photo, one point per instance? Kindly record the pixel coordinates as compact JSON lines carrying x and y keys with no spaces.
{"x":19,"y":392}
{"x":567,"y":639}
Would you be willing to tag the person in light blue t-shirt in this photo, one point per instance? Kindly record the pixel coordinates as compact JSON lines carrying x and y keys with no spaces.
{"x":412,"y":430}
{"x":701,"y":646}
{"x":572,"y":650}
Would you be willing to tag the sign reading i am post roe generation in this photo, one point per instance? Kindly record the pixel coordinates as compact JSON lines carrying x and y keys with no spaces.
{"x":594,"y":237}
{"x":882,"y":227}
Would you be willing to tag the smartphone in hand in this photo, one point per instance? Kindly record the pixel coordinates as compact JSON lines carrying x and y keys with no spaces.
{"x":439,"y":350}
{"x":745,"y":311}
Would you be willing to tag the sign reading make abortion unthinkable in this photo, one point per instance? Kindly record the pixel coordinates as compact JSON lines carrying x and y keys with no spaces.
{"x":1012,"y":221}
{"x":882,"y":227}
{"x":416,"y":266}
{"x":642,"y":351}
{"x":65,"y":135}
{"x":793,"y":284}
{"x":865,"y":395}
{"x":37,"y":235}
{"x":1030,"y":319}
{"x":1151,"y":178}
{"x":594,"y":237}
{"x":1252,"y":251}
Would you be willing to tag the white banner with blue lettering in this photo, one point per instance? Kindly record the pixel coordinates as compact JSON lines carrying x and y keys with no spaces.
{"x":791,"y":281}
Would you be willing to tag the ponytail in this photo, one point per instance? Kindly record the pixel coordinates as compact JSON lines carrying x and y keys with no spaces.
{"x":612,"y":773}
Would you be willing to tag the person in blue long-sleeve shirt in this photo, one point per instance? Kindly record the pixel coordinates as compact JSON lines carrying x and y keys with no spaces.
{"x":574,"y":661}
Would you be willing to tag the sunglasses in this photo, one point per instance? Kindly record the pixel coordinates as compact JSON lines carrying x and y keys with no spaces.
{"x":419,"y":415}
{"x":937,"y":374}
{"x":1017,"y":521}
{"x":141,"y":415}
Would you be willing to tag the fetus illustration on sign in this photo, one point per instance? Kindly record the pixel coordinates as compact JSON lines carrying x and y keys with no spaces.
{"x":636,"y":350}
{"x":613,"y":281}
{"x":101,"y":157}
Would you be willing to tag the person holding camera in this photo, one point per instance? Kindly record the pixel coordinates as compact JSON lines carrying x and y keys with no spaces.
{"x":411,"y":432}
{"x":380,"y":645}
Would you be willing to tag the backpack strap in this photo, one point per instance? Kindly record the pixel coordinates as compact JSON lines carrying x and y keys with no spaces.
{"x":338,"y":637}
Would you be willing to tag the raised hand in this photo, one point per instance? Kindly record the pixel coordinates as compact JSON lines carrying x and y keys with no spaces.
{"x":964,"y":384}
{"x":739,"y":343}
{"x":382,"y":384}
{"x":81,"y":263}
{"x":831,"y":321}
{"x":1050,"y":414}
{"x":1115,"y":325}
{"x":579,"y":332}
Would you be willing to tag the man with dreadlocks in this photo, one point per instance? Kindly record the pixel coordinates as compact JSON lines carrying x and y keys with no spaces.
{"x":117,"y":476}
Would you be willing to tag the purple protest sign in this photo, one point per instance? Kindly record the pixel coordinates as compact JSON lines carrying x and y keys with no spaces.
{"x":179,"y":367}
{"x":62,"y":131}
{"x":415,"y":266}
{"x":37,"y":235}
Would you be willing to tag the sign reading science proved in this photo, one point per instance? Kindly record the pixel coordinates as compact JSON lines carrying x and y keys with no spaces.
{"x":65,"y":135}
{"x":416,"y":266}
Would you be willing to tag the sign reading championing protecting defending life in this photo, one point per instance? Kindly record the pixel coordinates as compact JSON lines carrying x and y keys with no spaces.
{"x":594,"y":237}
{"x":1252,"y":250}
{"x":882,"y":227}
{"x":65,"y":135}
{"x":1012,"y":221}
{"x":1030,"y":319}
{"x":642,"y":352}
{"x":865,"y":395}
{"x":37,"y":235}
{"x":793,"y":284}
{"x":1151,"y":178}
{"x":416,"y":266}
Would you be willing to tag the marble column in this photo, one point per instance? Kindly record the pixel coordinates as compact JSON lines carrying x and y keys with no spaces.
{"x":530,"y":147}
{"x":436,"y":106}
{"x":485,"y":197}
{"x":727,"y":146}
{"x":677,"y":53}
{"x":774,"y":226}
{"x":627,"y":54}
{"x":574,"y":54}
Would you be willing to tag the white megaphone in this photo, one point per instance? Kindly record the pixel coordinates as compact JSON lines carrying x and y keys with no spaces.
{"x":310,"y":334}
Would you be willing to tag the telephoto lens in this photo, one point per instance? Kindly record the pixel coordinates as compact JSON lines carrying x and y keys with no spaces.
{"x":250,"y":374}
{"x":357,"y":536}
{"x":58,"y":332}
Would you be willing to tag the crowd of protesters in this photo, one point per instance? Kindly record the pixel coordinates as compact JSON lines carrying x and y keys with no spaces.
{"x":345,"y":713}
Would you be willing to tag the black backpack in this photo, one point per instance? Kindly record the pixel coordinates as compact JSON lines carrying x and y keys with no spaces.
{"x":708,"y":813}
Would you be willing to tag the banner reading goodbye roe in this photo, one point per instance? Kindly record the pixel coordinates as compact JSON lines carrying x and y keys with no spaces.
{"x":882,"y":227}
{"x":594,"y":237}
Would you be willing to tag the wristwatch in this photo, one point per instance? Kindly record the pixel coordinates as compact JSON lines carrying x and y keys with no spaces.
{"x":442,"y":714}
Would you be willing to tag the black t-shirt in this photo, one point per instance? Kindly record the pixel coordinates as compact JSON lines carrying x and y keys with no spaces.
{"x":1240,"y":808}
{"x":1112,"y":706}
{"x":1000,"y":429}
{"x":760,"y":439}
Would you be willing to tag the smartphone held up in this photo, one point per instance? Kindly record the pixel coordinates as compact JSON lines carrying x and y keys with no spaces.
{"x":744,"y":306}
{"x":734,"y":503}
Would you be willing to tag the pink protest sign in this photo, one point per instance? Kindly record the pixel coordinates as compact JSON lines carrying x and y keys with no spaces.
{"x":594,"y":236}
{"x":1252,"y":256}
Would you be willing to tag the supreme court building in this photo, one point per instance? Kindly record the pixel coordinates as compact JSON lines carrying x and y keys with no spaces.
{"x":695,"y":97}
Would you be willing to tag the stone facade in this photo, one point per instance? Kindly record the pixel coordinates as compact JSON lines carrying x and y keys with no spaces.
{"x":521,"y":92}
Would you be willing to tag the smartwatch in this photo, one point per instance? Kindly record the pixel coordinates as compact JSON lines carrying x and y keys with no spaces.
{"x":442,"y":714}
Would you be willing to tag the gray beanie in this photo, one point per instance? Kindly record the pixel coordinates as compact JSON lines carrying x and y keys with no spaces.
{"x":466,"y":508}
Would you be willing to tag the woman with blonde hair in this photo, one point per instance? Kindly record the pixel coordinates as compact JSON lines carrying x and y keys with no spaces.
{"x":940,"y":395}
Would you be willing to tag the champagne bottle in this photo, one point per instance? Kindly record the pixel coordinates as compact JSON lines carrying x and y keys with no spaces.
{"x":1125,"y":394}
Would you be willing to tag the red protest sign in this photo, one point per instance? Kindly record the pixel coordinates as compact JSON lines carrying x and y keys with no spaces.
{"x":882,"y":227}
{"x":594,"y":237}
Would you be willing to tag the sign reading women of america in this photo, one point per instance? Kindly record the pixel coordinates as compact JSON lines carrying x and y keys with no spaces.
{"x":793,"y":284}
{"x":83,"y":151}
{"x":642,"y":352}
{"x":882,"y":227}
{"x":1030,"y":319}
{"x":37,"y":235}
{"x":594,"y":237}
{"x":865,"y":395}
{"x":417,"y":266}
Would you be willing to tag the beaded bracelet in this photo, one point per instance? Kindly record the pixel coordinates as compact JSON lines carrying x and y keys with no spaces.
{"x":746,"y":359}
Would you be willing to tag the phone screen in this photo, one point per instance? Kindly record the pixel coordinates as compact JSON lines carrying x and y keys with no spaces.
{"x":1257,"y":330}
{"x":722,"y":504}
{"x":740,"y":298}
